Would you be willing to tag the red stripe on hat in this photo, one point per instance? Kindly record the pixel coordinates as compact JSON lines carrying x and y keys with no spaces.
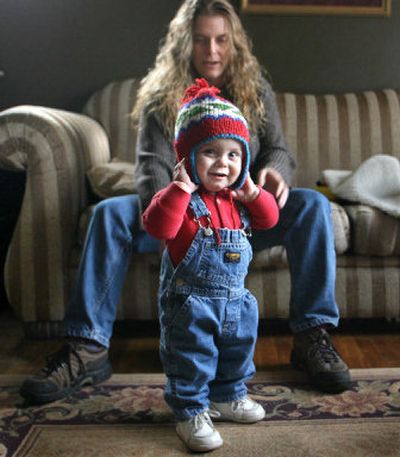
{"x":207,"y":128}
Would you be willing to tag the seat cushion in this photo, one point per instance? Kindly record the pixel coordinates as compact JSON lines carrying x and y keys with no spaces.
{"x":341,"y":228}
{"x":373,"y":232}
{"x":112,"y":179}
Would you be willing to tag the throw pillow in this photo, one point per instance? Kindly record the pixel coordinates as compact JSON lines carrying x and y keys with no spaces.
{"x":112,"y":179}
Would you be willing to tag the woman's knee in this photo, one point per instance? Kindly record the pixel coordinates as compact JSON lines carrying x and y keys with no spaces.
{"x":310,"y":199}
{"x":116,"y":212}
{"x":122,"y":209}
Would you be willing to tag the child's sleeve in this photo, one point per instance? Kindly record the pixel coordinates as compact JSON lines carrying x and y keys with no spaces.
{"x":264,"y":210}
{"x":164,"y":215}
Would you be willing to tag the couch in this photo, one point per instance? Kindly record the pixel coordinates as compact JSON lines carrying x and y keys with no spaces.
{"x":73,"y":160}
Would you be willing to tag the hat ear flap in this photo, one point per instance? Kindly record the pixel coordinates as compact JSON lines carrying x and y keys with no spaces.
{"x":193,"y":168}
{"x":245,"y":168}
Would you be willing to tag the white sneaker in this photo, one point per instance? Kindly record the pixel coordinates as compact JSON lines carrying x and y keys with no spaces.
{"x":199,"y":433}
{"x":244,"y":410}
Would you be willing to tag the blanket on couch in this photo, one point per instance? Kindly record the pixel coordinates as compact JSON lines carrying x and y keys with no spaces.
{"x":376,"y":182}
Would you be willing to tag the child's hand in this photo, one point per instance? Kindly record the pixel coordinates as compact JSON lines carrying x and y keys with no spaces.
{"x":182,"y":179}
{"x":248,"y":192}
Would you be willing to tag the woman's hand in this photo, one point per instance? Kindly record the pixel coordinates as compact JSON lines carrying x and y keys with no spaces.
{"x":248,"y":192}
{"x":273,"y":182}
{"x":182,"y":178}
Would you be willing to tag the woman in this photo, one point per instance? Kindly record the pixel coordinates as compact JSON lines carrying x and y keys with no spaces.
{"x":204,"y":39}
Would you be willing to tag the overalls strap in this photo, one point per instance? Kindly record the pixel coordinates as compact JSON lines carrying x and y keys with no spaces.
{"x":198,"y":206}
{"x":200,"y":209}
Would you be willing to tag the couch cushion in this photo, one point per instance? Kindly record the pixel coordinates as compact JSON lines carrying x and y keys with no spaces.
{"x":111,"y":107}
{"x":373,"y":232}
{"x":339,"y":131}
{"x":368,"y":262}
{"x":83,"y":224}
{"x":341,"y":228}
{"x":112,"y":179}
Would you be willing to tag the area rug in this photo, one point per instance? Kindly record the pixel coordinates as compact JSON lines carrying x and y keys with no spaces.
{"x":127,"y":417}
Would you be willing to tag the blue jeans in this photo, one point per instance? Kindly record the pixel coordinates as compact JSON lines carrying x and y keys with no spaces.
{"x":304,"y":228}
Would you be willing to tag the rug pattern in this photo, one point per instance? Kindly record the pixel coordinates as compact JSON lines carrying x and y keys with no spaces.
{"x":127,"y":400}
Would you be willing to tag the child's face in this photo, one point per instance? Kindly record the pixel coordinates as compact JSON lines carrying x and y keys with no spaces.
{"x":219,"y":163}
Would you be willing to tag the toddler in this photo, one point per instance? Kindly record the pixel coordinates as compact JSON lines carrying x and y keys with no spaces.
{"x":208,"y":318}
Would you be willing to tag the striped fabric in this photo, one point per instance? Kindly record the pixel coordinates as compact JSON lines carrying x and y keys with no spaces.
{"x":339,"y":131}
{"x":56,"y":148}
{"x":365,"y":288}
{"x":374,"y":232}
{"x":111,"y":107}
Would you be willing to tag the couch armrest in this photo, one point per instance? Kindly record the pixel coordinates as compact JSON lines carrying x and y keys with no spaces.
{"x":55,"y":148}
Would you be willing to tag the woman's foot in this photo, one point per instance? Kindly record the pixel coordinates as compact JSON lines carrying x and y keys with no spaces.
{"x":68,"y":370}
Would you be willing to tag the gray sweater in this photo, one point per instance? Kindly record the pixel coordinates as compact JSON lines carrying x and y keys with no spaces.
{"x":156,"y":157}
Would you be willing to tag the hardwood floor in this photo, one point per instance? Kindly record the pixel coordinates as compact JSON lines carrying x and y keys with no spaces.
{"x":363,"y":344}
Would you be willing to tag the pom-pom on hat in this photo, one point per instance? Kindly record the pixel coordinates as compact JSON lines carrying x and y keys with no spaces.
{"x":204,"y":116}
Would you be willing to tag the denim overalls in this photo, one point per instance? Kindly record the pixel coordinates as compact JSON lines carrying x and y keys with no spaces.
{"x":208,"y":319}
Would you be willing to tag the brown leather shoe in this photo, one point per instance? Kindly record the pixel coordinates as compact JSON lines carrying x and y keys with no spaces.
{"x":67,"y":371}
{"x":314,"y":353}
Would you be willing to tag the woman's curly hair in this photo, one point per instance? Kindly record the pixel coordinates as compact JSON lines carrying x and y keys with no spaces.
{"x":162,"y":88}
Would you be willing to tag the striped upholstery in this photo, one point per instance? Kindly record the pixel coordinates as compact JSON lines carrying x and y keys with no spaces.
{"x":111,"y":107}
{"x":339,"y":131}
{"x":374,"y":232}
{"x":56,"y":148}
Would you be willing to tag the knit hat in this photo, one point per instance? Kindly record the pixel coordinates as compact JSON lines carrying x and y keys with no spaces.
{"x":204,"y":116}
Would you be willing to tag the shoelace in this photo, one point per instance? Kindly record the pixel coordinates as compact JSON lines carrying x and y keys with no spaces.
{"x":237,"y":404}
{"x":61,"y":359}
{"x":200,"y":419}
{"x":322,"y":347}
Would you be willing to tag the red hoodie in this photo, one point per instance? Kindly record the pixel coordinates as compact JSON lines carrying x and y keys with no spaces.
{"x":169,"y":217}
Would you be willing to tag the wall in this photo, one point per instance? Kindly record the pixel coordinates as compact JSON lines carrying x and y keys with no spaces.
{"x":329,"y":53}
{"x":57,"y":52}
